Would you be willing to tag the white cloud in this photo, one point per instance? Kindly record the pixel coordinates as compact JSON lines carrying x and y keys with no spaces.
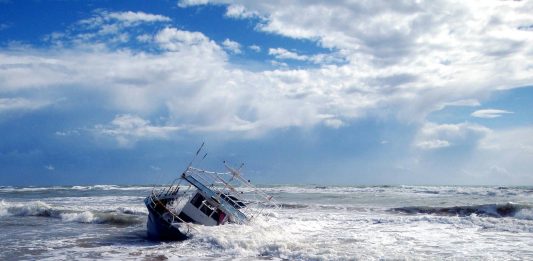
{"x":106,"y":28}
{"x":108,"y":19}
{"x":130,"y":17}
{"x":232,"y":46}
{"x":504,"y":157}
{"x":449,"y":50}
{"x":467,"y":102}
{"x":14,"y":104}
{"x":239,"y":11}
{"x":279,"y":64}
{"x":282,"y":54}
{"x":513,"y":139}
{"x":487,"y":156}
{"x":433,"y":144}
{"x":436,"y":136}
{"x":186,"y":3}
{"x":489,"y":113}
{"x":67,"y":133}
{"x":145,"y":38}
{"x":128,"y":129}
{"x":176,"y":40}
{"x":331,"y":121}
{"x":401,"y":59}
{"x":255,"y":48}
{"x":334,"y":123}
{"x":388,"y":59}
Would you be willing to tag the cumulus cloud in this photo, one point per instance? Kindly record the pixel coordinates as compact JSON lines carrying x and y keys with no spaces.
{"x":387,"y":59}
{"x":400,"y":59}
{"x":279,"y":64}
{"x":281,"y":53}
{"x":105,"y":27}
{"x":489,"y":113}
{"x":192,"y":2}
{"x":436,"y":136}
{"x":203,"y":94}
{"x":284,"y":54}
{"x":455,"y":51}
{"x":485,"y":156}
{"x":382,"y":29}
{"x":128,"y":129}
{"x":175,"y":40}
{"x":255,"y":48}
{"x":128,"y":18}
{"x":232,"y":46}
{"x":237,"y":11}
{"x":136,"y":17}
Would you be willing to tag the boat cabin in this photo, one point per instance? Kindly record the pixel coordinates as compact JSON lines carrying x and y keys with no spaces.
{"x":203,"y":211}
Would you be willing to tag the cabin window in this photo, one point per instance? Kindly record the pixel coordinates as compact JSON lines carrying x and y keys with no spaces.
{"x":218,"y":216}
{"x":235,"y":202}
{"x":206,"y":209}
{"x":215,"y":216}
{"x":197,"y":200}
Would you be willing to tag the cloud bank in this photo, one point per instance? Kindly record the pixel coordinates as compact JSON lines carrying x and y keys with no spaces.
{"x":404,"y":59}
{"x":395,"y":61}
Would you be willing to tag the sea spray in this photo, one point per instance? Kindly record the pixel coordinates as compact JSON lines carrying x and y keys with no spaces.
{"x":332,"y":223}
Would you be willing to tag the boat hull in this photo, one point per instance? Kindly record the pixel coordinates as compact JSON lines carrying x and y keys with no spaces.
{"x":160,"y":229}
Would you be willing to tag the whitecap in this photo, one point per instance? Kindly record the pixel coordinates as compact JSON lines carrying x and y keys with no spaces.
{"x":83,"y":217}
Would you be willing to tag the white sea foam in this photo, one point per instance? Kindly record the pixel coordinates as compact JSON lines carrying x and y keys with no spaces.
{"x":81,"y":188}
{"x":141,"y":210}
{"x":3,"y":209}
{"x":332,"y":223}
{"x":118,"y":216}
{"x":83,"y":217}
{"x":525,"y":214}
{"x":33,"y":208}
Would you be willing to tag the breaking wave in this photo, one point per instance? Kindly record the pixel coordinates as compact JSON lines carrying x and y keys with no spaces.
{"x":102,"y":218}
{"x":293,"y":206}
{"x":73,"y":188}
{"x":490,"y":210}
{"x":119,"y":217}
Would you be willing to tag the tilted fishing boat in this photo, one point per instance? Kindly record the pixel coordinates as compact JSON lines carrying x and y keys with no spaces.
{"x":203,"y":197}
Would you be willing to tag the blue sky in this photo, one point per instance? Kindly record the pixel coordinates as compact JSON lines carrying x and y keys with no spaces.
{"x":370,"y":92}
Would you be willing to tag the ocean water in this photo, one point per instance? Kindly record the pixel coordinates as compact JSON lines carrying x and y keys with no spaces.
{"x":332,"y":223}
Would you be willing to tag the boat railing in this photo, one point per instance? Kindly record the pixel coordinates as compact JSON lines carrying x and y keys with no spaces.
{"x":235,"y":190}
{"x":154,"y":200}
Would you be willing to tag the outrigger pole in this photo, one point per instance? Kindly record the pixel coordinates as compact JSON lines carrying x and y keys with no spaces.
{"x":188,"y":166}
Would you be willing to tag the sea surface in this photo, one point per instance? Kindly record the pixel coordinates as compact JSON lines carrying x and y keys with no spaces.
{"x":314,"y":223}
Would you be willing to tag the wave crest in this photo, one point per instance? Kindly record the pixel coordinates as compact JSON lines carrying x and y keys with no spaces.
{"x":120,"y":217}
{"x":491,"y":210}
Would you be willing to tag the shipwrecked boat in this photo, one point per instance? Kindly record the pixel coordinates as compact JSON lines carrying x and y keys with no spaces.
{"x":203,"y":197}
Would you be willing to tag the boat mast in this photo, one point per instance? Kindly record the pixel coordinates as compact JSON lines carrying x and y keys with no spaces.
{"x":188,"y":166}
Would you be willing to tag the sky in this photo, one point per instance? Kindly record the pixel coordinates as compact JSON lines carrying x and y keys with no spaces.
{"x":302,"y":92}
